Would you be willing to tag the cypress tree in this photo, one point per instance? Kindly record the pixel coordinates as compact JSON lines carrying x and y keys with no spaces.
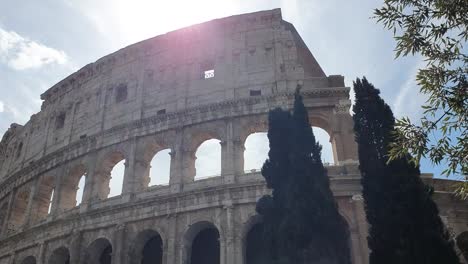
{"x":301,"y":219}
{"x":404,"y":223}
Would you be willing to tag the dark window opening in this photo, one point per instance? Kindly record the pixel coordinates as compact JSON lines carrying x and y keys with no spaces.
{"x":161,"y":112}
{"x":121,"y":93}
{"x":60,"y":121}
{"x":106,"y":255}
{"x":18,"y":151}
{"x":83,"y":136}
{"x":153,"y":251}
{"x":205,"y":247}
{"x":255,"y":92}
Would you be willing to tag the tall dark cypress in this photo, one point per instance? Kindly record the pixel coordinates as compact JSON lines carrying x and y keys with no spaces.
{"x":301,"y":217}
{"x":404,"y":225}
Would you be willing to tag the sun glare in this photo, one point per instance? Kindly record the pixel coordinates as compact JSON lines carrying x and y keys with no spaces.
{"x":143,"y":19}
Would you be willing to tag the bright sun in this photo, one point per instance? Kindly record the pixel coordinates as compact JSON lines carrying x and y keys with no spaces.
{"x":141,"y":19}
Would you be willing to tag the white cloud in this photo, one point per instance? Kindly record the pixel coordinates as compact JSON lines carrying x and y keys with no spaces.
{"x":21,"y":53}
{"x":2,"y":107}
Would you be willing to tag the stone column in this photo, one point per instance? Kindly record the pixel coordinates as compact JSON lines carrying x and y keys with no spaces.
{"x":12,"y":258}
{"x":75,"y":247}
{"x":187,"y":165}
{"x":238,"y":248}
{"x":90,"y":183}
{"x":171,"y":244}
{"x":232,"y":155}
{"x":31,"y":198}
{"x":342,"y":134}
{"x":118,"y":248}
{"x":141,"y":171}
{"x":361,"y":228}
{"x":176,"y":169}
{"x":58,"y":181}
{"x":229,"y":236}
{"x":41,"y":257}
{"x":129,"y":180}
{"x":5,"y":224}
{"x":238,"y":150}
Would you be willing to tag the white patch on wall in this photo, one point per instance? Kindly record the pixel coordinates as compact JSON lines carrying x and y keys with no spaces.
{"x":20,"y":53}
{"x":209,"y":74}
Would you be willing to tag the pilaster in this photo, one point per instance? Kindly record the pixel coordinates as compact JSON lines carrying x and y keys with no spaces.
{"x":177,"y":159}
{"x":6,"y":221}
{"x":90,"y":183}
{"x":31,"y":198}
{"x":118,"y":249}
{"x":41,"y":256}
{"x":75,"y":247}
{"x":129,"y":180}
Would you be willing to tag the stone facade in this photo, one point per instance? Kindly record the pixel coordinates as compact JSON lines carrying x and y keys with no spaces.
{"x":153,"y":95}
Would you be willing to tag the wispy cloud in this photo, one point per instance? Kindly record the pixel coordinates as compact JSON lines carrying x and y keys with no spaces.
{"x":21,"y":53}
{"x":408,"y":100}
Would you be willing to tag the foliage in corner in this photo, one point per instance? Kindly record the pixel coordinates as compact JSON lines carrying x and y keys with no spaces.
{"x":437,"y":30}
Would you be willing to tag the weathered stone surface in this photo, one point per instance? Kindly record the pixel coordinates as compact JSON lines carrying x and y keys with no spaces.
{"x":152,"y":96}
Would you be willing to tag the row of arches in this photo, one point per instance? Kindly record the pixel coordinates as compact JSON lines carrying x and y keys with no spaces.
{"x":52,"y":194}
{"x":201,"y":245}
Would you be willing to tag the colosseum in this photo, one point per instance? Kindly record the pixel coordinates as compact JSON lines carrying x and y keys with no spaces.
{"x":215,"y":80}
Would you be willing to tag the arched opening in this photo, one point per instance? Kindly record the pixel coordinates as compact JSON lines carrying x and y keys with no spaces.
{"x":43,"y":200}
{"x":152,"y":251}
{"x":60,"y":256}
{"x":323,"y":138}
{"x":29,"y":260}
{"x":80,"y":190}
{"x":116,"y":179}
{"x":72,"y":188}
{"x":50,"y":202}
{"x":205,"y":247}
{"x":110,"y":176}
{"x":202,"y":243}
{"x":160,"y":167}
{"x":462,"y":243}
{"x":18,"y":210}
{"x":255,"y":250}
{"x":148,"y":248}
{"x":208,"y":159}
{"x":99,"y":252}
{"x":256,"y":151}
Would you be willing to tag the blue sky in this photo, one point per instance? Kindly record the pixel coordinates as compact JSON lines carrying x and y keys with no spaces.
{"x":42,"y":42}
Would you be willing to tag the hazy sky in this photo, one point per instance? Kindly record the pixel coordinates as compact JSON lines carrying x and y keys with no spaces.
{"x":42,"y":42}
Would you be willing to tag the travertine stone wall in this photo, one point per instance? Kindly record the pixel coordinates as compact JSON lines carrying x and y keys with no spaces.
{"x":152,"y":96}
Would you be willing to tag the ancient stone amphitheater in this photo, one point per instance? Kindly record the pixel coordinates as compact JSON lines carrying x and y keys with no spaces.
{"x":215,"y":80}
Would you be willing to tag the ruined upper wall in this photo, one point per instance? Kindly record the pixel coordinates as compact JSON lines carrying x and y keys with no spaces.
{"x":251,"y":54}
